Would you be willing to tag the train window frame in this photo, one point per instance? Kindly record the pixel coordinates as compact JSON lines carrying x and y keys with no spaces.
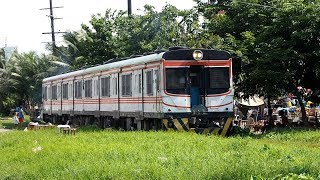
{"x":149,"y":83}
{"x":105,"y":86}
{"x":126,"y":85}
{"x":54,"y":95}
{"x":65,"y":90}
{"x":78,"y":89}
{"x":176,"y":90}
{"x":88,"y":88}
{"x":45,"y":93}
{"x":223,"y":84}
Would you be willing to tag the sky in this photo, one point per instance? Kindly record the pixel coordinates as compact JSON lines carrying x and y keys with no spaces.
{"x":22,"y":23}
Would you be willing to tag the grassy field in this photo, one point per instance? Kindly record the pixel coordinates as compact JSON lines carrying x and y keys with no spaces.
{"x":7,"y":122}
{"x":98,"y":154}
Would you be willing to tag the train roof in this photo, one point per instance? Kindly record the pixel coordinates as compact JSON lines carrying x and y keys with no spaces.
{"x":175,"y":53}
{"x":111,"y":64}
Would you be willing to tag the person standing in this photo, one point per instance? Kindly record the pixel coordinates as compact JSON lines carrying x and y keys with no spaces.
{"x":20,"y":115}
{"x":15,"y":120}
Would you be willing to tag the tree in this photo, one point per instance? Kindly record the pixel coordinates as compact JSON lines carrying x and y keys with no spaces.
{"x":277,"y":42}
{"x":116,"y":35}
{"x":234,"y":26}
{"x":7,"y":83}
{"x":21,"y":78}
{"x":294,"y":46}
{"x":33,"y":69}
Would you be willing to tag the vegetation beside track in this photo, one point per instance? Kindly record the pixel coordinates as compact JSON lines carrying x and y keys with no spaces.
{"x":93,"y":153}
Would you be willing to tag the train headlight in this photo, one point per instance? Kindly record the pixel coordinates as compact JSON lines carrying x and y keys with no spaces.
{"x":197,"y":55}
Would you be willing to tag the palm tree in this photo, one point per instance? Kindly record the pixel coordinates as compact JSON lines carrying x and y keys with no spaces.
{"x":8,"y":83}
{"x":33,"y":69}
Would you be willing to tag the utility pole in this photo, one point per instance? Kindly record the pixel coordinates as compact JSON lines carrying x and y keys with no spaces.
{"x":129,"y":8}
{"x":52,"y":26}
{"x":52,"y":18}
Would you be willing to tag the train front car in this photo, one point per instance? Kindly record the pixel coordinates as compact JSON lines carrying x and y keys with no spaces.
{"x":198,"y":92}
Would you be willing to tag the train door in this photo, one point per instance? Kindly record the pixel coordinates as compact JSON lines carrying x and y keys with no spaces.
{"x":197,"y":86}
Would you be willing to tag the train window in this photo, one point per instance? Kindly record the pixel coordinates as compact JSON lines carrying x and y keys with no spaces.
{"x":65,"y":91}
{"x":126,"y":85}
{"x":176,"y":80}
{"x":78,"y":90}
{"x":54,"y":92}
{"x":45,"y":93}
{"x":105,"y":87}
{"x":88,"y":88}
{"x":219,"y":80}
{"x":149,"y":80}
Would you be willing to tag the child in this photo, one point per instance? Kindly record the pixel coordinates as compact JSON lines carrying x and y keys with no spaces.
{"x":15,"y":120}
{"x":20,"y":116}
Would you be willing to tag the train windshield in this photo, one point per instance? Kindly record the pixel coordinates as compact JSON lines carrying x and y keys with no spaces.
{"x":176,"y":80}
{"x":210,"y":80}
{"x":218,"y":81}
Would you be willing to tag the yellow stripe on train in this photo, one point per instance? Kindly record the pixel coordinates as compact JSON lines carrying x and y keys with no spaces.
{"x":182,"y":124}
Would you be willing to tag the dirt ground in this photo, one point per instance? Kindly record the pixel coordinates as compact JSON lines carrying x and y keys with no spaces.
{"x":4,"y":130}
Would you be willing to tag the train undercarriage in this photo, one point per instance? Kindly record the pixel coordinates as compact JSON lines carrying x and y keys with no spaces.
{"x":197,"y":124}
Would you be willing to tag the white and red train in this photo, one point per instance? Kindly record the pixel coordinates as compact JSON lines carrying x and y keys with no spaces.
{"x":181,"y":89}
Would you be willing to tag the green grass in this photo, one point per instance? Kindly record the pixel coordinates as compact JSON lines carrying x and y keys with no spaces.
{"x":7,"y":122}
{"x":101,"y":154}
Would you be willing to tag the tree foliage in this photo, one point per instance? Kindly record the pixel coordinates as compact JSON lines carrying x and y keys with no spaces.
{"x":115,"y":34}
{"x":21,"y":78}
{"x":277,"y":43}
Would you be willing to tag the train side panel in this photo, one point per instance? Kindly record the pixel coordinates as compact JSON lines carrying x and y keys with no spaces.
{"x":90,"y":99}
{"x":46,"y":98}
{"x":56,"y":97}
{"x":109,"y":93}
{"x":78,"y":95}
{"x":67,"y":96}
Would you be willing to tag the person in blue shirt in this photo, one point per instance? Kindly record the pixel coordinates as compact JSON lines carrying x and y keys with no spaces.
{"x":20,"y":116}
